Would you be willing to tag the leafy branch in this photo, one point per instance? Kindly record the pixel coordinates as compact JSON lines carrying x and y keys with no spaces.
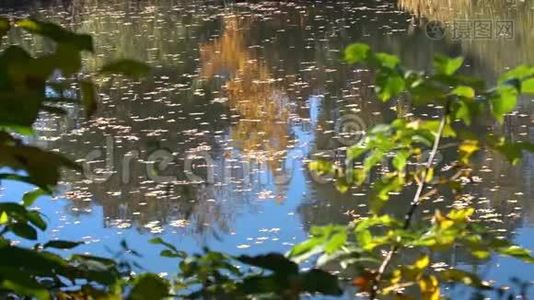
{"x":463,"y":101}
{"x":417,"y":199}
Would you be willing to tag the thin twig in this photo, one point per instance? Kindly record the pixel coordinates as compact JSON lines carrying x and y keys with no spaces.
{"x":416,"y":201}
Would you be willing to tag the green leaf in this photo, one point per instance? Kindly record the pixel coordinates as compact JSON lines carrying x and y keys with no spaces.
{"x":22,"y":283}
{"x":518,"y":73}
{"x":328,"y":238}
{"x":424,"y":92}
{"x":321,"y":167}
{"x":44,"y":264}
{"x":503,"y":101}
{"x":527,"y":86}
{"x":389,"y":85}
{"x":512,"y":151}
{"x":29,"y":197}
{"x":60,"y":244}
{"x":54,"y":110}
{"x":336,"y":241}
{"x":357,"y":52}
{"x":319,"y":281}
{"x":43,"y":167}
{"x":16,"y":114}
{"x":37,"y":263}
{"x":433,"y":126}
{"x":89,"y":97}
{"x":376,"y":220}
{"x":57,"y":33}
{"x":20,"y":178}
{"x":353,"y":152}
{"x":271,"y":261}
{"x":465,"y":110}
{"x":149,"y":286}
{"x":172,"y":254}
{"x":400,"y":160}
{"x":364,"y":238}
{"x":24,"y":231}
{"x":4,"y":26}
{"x":95,"y":261}
{"x":96,"y":269}
{"x":278,"y":285}
{"x":381,"y":190}
{"x":160,"y":241}
{"x":67,"y":58}
{"x":34,"y":217}
{"x":342,"y":185}
{"x":464,"y":91}
{"x":127,"y":67}
{"x":373,"y":159}
{"x":156,"y":241}
{"x":22,"y":88}
{"x":429,"y":175}
{"x":22,"y":215}
{"x":447,"y":66}
{"x":517,"y":252}
{"x":461,"y":215}
{"x":386,"y":60}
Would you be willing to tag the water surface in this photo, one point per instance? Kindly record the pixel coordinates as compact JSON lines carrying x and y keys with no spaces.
{"x":211,"y":149}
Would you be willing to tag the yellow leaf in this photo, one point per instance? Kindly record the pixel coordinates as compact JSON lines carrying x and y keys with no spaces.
{"x":468,"y":148}
{"x":481,"y":254}
{"x":396,"y":277}
{"x":429,"y":175}
{"x":422,"y":262}
{"x":429,"y":286}
{"x":413,"y":124}
{"x":461,"y":214}
{"x":4,"y":218}
{"x":442,"y":221}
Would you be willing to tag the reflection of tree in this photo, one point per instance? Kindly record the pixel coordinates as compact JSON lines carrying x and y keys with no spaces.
{"x":493,"y":54}
{"x":271,"y":66}
{"x":164,"y":113}
{"x":130,"y":195}
{"x":262,"y":131}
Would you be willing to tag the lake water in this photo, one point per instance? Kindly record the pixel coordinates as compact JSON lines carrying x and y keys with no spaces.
{"x":211,"y":149}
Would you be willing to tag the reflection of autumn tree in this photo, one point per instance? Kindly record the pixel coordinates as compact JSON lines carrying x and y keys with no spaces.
{"x":262,"y":131}
{"x":287,"y":54}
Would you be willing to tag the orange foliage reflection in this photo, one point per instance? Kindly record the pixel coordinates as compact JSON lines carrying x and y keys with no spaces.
{"x":262,"y":131}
